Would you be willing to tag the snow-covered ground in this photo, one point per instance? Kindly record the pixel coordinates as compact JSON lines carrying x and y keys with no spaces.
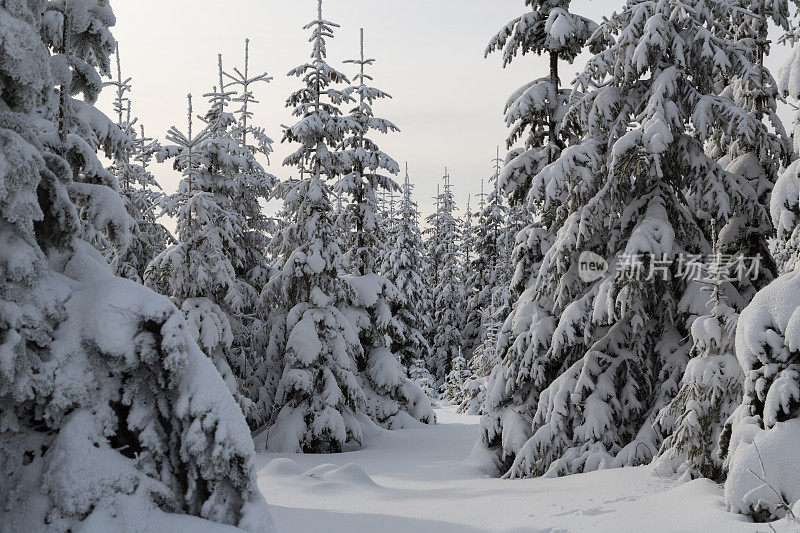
{"x":417,"y":480}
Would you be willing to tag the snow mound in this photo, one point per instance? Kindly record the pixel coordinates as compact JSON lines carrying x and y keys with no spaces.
{"x":481,"y":462}
{"x":369,"y":429}
{"x":282,"y":467}
{"x":350,"y":475}
{"x":320,"y":471}
{"x":403,"y":420}
{"x":769,"y":458}
{"x":766,"y":427}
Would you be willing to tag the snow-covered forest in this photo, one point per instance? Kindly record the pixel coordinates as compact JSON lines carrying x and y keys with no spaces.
{"x":606,"y":337}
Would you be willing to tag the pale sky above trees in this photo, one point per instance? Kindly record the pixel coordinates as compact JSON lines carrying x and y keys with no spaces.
{"x":448,"y":100}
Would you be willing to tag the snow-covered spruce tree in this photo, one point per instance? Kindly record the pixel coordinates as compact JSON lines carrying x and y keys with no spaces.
{"x":785,"y":197}
{"x":697,"y":442}
{"x":390,"y":396}
{"x":757,"y":157}
{"x":507,"y":223}
{"x":208,"y":274}
{"x":254,"y":142}
{"x":140,"y":191}
{"x":710,"y":391}
{"x":453,"y":385}
{"x":77,"y":33}
{"x":761,"y":451}
{"x":535,"y":114}
{"x":640,"y":192}
{"x":419,"y":374}
{"x":371,"y":172}
{"x":488,"y":274}
{"x":471,"y":328}
{"x":251,"y":334}
{"x":483,"y":362}
{"x":467,"y":235}
{"x":432,"y":238}
{"x":448,"y":293}
{"x":110,"y":415}
{"x":404,"y":267}
{"x":312,"y":343}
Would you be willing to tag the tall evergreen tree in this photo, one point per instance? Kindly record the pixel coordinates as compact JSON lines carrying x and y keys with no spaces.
{"x":432,"y":239}
{"x":371,"y":173}
{"x":484,"y":360}
{"x":785,"y":198}
{"x":107,"y":407}
{"x":759,"y":438}
{"x":488,"y":272}
{"x":448,"y":293}
{"x":697,"y":442}
{"x":209,"y":273}
{"x":640,"y":192}
{"x":536,"y":114}
{"x":404,"y":267}
{"x":711,"y":389}
{"x":140,"y":191}
{"x":79,"y":37}
{"x":759,"y":156}
{"x":387,"y":389}
{"x":312,"y":345}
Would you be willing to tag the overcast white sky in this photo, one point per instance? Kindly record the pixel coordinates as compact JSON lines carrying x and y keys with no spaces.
{"x":448,"y":99}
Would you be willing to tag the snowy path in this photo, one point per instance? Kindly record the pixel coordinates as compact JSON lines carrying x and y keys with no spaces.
{"x":415,"y":480}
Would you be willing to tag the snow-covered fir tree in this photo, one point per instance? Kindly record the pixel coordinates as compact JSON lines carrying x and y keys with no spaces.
{"x":390,"y":395}
{"x":535,"y":114}
{"x":482,"y":363}
{"x":453,"y":386}
{"x":760,"y":437}
{"x":785,"y":198}
{"x":697,"y":442}
{"x":607,"y":354}
{"x":471,"y":328}
{"x":432,"y":238}
{"x":404,"y":266}
{"x":419,"y":374}
{"x":110,"y":413}
{"x":467,"y":235}
{"x":251,"y":334}
{"x":140,"y":191}
{"x":242,"y":81}
{"x":488,"y":274}
{"x":77,"y":34}
{"x":313,"y":347}
{"x":759,"y":156}
{"x":448,"y":293}
{"x":371,"y":173}
{"x":710,"y":391}
{"x":209,"y":272}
